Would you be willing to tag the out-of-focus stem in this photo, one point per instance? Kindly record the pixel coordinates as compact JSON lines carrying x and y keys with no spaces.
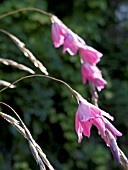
{"x":26,"y":9}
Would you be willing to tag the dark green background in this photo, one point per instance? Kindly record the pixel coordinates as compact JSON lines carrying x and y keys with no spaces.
{"x":47,"y":107}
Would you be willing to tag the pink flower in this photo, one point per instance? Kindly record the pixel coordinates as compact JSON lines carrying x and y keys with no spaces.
{"x":88,"y":114}
{"x":89,"y":54}
{"x":92,"y":74}
{"x":57,"y":37}
{"x":70,"y":44}
{"x":61,"y":35}
{"x":111,"y":128}
{"x":58,"y":32}
{"x":82,"y":127}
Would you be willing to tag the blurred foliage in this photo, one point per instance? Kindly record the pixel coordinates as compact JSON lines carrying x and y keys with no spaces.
{"x":47,"y":107}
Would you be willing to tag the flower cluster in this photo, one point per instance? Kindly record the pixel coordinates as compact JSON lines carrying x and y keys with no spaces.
{"x":88,"y":114}
{"x":72,"y":43}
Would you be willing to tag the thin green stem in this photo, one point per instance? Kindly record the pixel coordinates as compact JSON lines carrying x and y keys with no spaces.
{"x":26,"y":9}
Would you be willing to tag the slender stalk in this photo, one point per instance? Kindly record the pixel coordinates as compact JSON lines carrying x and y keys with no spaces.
{"x":94,"y":94}
{"x":46,"y":76}
{"x":26,"y":9}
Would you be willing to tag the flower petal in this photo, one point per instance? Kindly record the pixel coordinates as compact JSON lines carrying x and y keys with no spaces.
{"x":99,"y":123}
{"x":57,"y":37}
{"x":111,"y":128}
{"x":92,"y":74}
{"x":86,"y":128}
{"x":84,"y":112}
{"x":78,"y":128}
{"x":90,"y":55}
{"x":70,"y":45}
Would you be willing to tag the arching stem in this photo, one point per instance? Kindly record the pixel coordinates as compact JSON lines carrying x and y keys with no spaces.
{"x":26,"y":9}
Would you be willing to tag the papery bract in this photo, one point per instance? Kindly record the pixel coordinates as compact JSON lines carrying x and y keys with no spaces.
{"x":111,"y":142}
{"x":114,"y":149}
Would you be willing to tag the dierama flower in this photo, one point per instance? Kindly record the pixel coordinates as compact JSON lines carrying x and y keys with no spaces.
{"x":61,"y":35}
{"x":88,"y":114}
{"x":72,"y":43}
{"x":89,"y":54}
{"x":58,"y":32}
{"x":92,"y":74}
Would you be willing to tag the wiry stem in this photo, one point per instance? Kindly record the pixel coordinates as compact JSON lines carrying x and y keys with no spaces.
{"x":46,"y":76}
{"x":94,"y":94}
{"x":26,"y":9}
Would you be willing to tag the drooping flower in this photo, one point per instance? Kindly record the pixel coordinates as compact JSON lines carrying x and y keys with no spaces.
{"x":82,"y":127}
{"x":92,"y":74}
{"x":89,"y":54}
{"x":70,"y":44}
{"x":58,"y":32}
{"x":61,"y":35}
{"x":88,"y":114}
{"x":57,"y":36}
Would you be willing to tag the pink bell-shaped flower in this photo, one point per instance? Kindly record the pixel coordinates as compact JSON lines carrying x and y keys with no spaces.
{"x":89,"y":54}
{"x":88,"y":114}
{"x":92,"y":74}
